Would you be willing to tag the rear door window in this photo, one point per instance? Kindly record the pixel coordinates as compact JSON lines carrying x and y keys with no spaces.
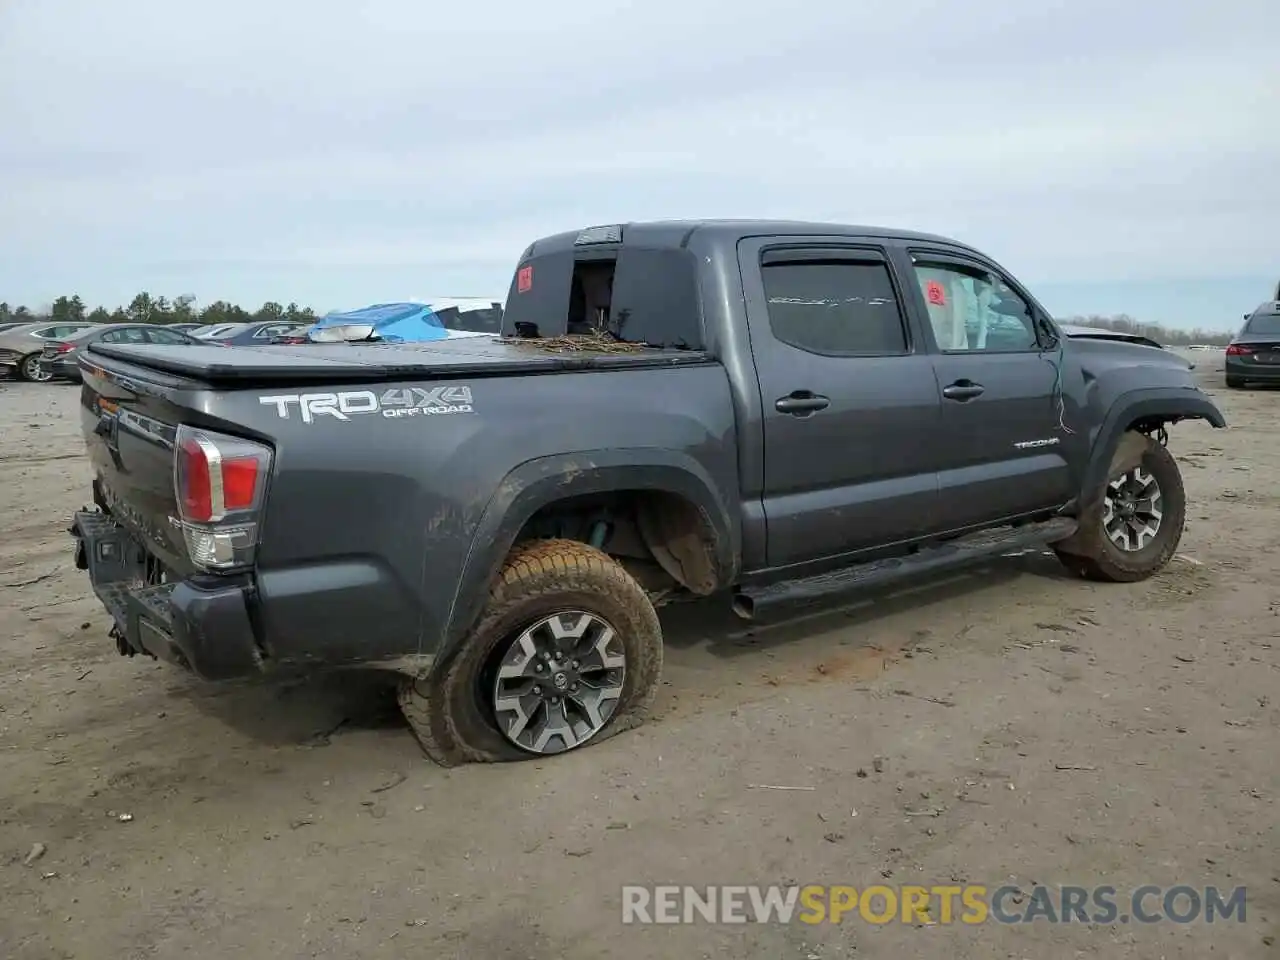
{"x":161,"y":335}
{"x":127,"y":335}
{"x":835,"y":307}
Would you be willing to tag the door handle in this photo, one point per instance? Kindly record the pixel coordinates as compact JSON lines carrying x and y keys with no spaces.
{"x":963,"y":390}
{"x":801,"y":402}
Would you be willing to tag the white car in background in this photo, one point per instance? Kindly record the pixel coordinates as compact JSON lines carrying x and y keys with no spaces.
{"x":22,"y":344}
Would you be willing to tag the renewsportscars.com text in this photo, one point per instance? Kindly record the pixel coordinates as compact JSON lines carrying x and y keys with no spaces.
{"x":941,"y":904}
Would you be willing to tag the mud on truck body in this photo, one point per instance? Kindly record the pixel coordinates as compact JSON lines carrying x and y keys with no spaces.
{"x":785,"y":413}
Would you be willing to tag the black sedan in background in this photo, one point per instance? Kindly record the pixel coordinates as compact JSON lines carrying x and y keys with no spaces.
{"x":243,"y":334}
{"x":59,"y":359}
{"x":1253,"y":355}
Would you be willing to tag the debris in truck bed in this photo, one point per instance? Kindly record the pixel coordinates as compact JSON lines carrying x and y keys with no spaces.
{"x":597,"y":342}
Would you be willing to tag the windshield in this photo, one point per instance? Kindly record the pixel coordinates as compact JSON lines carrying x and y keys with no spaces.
{"x":1264,"y":323}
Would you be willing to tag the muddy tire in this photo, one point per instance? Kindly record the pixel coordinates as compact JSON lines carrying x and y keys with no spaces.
{"x":563,"y":619}
{"x":1131,"y":529}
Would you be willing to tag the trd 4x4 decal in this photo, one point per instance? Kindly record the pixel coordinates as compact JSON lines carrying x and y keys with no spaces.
{"x":394,"y":402}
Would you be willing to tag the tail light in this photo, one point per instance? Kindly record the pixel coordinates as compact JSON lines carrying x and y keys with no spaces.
{"x":1236,"y":350}
{"x":220,"y":485}
{"x":64,"y":348}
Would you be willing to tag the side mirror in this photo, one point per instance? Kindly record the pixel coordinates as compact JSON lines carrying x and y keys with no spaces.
{"x":1248,"y":315}
{"x":1051,"y":338}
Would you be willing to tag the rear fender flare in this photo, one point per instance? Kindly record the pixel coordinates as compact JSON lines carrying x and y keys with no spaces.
{"x":540,"y":482}
{"x":1138,"y":406}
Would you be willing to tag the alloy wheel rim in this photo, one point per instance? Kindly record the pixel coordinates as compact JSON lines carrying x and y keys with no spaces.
{"x":35,"y":371}
{"x":558,"y":682}
{"x":1133,"y":510}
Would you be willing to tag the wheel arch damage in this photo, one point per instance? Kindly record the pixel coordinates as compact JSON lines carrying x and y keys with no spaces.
{"x":681,"y":519}
{"x":1132,"y":417}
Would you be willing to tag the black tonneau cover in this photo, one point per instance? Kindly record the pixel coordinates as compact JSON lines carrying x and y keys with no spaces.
{"x":363,"y":362}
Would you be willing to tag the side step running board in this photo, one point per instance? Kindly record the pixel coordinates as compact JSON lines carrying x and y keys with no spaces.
{"x":751,"y":602}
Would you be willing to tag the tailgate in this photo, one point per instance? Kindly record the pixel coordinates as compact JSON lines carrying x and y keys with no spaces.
{"x":133,"y":459}
{"x":191,"y":495}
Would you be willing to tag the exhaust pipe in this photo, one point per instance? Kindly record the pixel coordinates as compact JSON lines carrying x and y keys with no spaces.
{"x":744,"y":606}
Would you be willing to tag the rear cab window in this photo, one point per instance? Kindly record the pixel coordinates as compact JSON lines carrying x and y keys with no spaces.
{"x":604,"y":280}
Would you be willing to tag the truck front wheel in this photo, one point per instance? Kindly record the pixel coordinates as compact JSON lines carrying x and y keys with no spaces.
{"x":1132,"y":531}
{"x":567,"y":652}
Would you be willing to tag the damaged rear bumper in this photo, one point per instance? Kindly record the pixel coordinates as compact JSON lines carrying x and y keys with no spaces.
{"x":205,"y":628}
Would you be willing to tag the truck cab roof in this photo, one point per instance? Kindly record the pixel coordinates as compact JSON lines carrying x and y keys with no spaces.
{"x":679,"y":233}
{"x":640,"y":281}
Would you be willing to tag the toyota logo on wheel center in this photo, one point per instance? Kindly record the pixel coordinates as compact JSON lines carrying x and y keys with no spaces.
{"x":560,"y":680}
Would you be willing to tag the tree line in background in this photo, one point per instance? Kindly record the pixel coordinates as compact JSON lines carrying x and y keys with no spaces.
{"x":1123,"y":323}
{"x":144,"y":308}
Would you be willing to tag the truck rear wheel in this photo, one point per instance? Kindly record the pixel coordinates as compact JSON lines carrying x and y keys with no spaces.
{"x":567,"y":652}
{"x":1132,"y":531}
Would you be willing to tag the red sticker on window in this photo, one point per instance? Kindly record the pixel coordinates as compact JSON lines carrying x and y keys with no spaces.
{"x":935,"y":294}
{"x":524,"y":280}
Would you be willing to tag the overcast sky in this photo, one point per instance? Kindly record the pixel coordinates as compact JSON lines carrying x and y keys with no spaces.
{"x":1116,"y":156}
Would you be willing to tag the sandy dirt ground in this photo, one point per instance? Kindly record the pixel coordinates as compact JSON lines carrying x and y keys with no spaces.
{"x":1010,"y":725}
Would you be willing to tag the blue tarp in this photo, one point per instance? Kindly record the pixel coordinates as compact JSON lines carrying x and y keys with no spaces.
{"x":392,"y":322}
{"x":419,"y":322}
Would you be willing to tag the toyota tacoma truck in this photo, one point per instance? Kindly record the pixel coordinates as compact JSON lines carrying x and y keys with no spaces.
{"x":785,"y":413}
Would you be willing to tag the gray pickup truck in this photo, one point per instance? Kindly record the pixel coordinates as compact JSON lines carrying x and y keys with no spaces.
{"x":783,"y":412}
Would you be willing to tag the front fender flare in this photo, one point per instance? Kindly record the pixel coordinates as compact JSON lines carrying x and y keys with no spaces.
{"x":1136,"y":406}
{"x":537,"y":483}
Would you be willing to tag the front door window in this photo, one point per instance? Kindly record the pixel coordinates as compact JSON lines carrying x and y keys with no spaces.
{"x":972,"y":309}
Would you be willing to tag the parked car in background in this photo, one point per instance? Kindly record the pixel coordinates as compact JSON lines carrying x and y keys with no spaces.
{"x":214,"y":330}
{"x":246,"y":334}
{"x":298,"y":335}
{"x":61,"y":358}
{"x":21,"y":346}
{"x":1253,"y":355}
